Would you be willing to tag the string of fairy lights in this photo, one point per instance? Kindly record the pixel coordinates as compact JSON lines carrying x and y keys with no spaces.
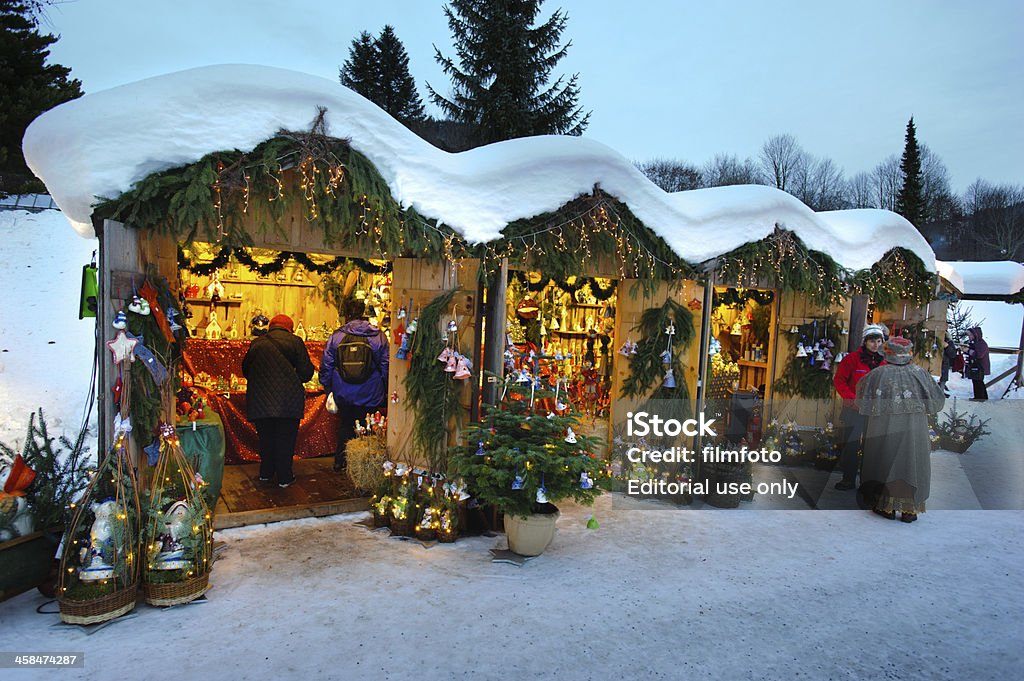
{"x":587,"y":229}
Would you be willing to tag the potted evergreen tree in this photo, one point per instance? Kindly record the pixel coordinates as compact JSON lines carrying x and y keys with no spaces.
{"x":521,"y":458}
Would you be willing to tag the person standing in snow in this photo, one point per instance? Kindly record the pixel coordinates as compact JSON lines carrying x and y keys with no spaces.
{"x":852,"y":369}
{"x":896,"y":398}
{"x":978,"y":363}
{"x":948,"y":358}
{"x":275,"y":367}
{"x":354,"y":369}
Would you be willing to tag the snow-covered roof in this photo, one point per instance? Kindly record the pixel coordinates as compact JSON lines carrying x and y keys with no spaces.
{"x":101,"y":144}
{"x":996,"y":278}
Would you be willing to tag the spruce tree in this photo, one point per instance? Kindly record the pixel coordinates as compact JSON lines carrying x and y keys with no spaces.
{"x":360,"y":71}
{"x":910,"y":200}
{"x":500,"y":82}
{"x":378,"y":69}
{"x":28,"y":87}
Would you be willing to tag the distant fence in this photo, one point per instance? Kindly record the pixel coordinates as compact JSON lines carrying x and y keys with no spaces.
{"x":33,"y":203}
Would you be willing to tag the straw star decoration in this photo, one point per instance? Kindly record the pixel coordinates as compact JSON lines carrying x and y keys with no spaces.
{"x":122,"y":348}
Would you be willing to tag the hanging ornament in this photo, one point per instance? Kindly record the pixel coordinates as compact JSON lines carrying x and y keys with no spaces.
{"x":592,"y":523}
{"x":570,"y":437}
{"x":694,"y":305}
{"x":518,"y":482}
{"x":445,"y":354}
{"x":394,"y":397}
{"x":670,"y":379}
{"x":462,"y":371}
{"x":585,"y":481}
{"x":453,"y":363}
{"x":120,"y":320}
{"x":122,"y":347}
{"x":800,"y":351}
{"x":403,"y":349}
{"x":480,"y":449}
{"x":666,"y":357}
{"x":542,"y":492}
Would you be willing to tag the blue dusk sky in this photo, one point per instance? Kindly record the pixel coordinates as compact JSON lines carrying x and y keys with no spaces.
{"x":664,"y":79}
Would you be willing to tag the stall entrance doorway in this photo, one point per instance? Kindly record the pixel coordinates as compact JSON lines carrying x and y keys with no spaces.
{"x":220,"y":303}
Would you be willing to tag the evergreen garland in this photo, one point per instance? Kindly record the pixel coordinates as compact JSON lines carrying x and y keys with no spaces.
{"x":601,"y":292}
{"x":782,"y":261}
{"x":277,"y":263}
{"x":564,"y":243}
{"x":802,"y":377}
{"x":646,"y":366}
{"x":899,"y":275}
{"x":432,"y":394}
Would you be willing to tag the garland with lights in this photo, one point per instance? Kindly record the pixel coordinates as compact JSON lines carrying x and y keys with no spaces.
{"x":601,"y":292}
{"x":899,"y":275}
{"x":429,"y":389}
{"x":647,"y":365}
{"x":216,"y":197}
{"x":276,"y":263}
{"x":568,"y":241}
{"x":805,"y":376}
{"x":782,"y":261}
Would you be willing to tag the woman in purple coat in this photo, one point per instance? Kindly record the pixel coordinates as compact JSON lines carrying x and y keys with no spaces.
{"x":355,"y":369}
{"x":978,"y":364}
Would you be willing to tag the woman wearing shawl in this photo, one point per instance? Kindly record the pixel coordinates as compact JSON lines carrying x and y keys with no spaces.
{"x":897,"y":398}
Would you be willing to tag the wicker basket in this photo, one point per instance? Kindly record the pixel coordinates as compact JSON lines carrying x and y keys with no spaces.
{"x":380,"y":519}
{"x":401,"y":528}
{"x":96,"y":610}
{"x":176,"y":593}
{"x":425,"y":533}
{"x":448,"y":536}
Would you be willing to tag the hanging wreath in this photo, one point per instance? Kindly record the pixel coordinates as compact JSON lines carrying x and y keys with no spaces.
{"x":808,"y":375}
{"x":647,"y":366}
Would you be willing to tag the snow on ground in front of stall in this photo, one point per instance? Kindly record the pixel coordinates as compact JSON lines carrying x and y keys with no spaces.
{"x":651,"y":594}
{"x":46,"y":351}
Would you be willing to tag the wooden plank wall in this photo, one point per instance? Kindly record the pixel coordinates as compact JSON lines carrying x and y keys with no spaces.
{"x":627,"y":315}
{"x":421,"y":282}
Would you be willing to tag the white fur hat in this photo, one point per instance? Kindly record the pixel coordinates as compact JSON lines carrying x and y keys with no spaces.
{"x":875,"y":330}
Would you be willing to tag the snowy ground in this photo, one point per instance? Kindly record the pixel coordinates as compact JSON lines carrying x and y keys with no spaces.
{"x":659,"y":593}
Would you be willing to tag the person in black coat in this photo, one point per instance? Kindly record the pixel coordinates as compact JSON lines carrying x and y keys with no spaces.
{"x":275,"y":367}
{"x":948,"y":357}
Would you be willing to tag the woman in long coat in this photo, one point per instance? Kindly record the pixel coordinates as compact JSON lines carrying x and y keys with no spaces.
{"x":897,"y":399}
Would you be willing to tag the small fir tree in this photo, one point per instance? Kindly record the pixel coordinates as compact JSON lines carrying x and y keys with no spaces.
{"x":501,"y":75}
{"x":515,"y":441}
{"x":910,"y":199}
{"x":28,"y":87}
{"x":378,"y":69}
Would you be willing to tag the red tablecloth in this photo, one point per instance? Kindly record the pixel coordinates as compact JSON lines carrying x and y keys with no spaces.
{"x":318,"y":429}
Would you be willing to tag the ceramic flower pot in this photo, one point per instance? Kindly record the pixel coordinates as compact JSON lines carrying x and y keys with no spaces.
{"x":530,"y":535}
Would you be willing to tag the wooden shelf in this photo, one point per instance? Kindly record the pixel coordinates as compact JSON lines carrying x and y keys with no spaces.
{"x":751,"y":363}
{"x":206,"y":301}
{"x":594,"y":306}
{"x":578,"y":334}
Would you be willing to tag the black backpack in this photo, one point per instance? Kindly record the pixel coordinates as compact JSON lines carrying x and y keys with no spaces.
{"x":354,"y":359}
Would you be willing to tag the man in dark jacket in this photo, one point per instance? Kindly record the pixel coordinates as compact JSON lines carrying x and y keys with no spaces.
{"x":275,"y":367}
{"x":978,"y":363}
{"x":948,"y":358}
{"x":356,"y":392}
{"x":854,"y":367}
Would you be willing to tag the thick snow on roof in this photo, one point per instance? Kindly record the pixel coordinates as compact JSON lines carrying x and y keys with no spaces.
{"x":996,"y":278}
{"x":100,"y":144}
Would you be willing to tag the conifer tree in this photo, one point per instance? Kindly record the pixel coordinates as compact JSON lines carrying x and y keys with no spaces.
{"x":28,"y":87}
{"x":909,"y":200}
{"x":501,"y":75}
{"x":378,"y":69}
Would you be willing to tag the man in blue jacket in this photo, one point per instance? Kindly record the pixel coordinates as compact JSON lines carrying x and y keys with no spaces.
{"x":355,"y":369}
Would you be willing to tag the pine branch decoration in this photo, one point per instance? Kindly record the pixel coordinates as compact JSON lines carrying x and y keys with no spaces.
{"x":646,"y":366}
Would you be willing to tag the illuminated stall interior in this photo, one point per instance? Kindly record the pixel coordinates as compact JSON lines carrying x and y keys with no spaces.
{"x":221,"y":293}
{"x":742,"y":328}
{"x":570,"y":328}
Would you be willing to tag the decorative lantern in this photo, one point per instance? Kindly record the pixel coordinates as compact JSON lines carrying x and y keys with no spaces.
{"x":99,"y":566}
{"x":179,"y":529}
